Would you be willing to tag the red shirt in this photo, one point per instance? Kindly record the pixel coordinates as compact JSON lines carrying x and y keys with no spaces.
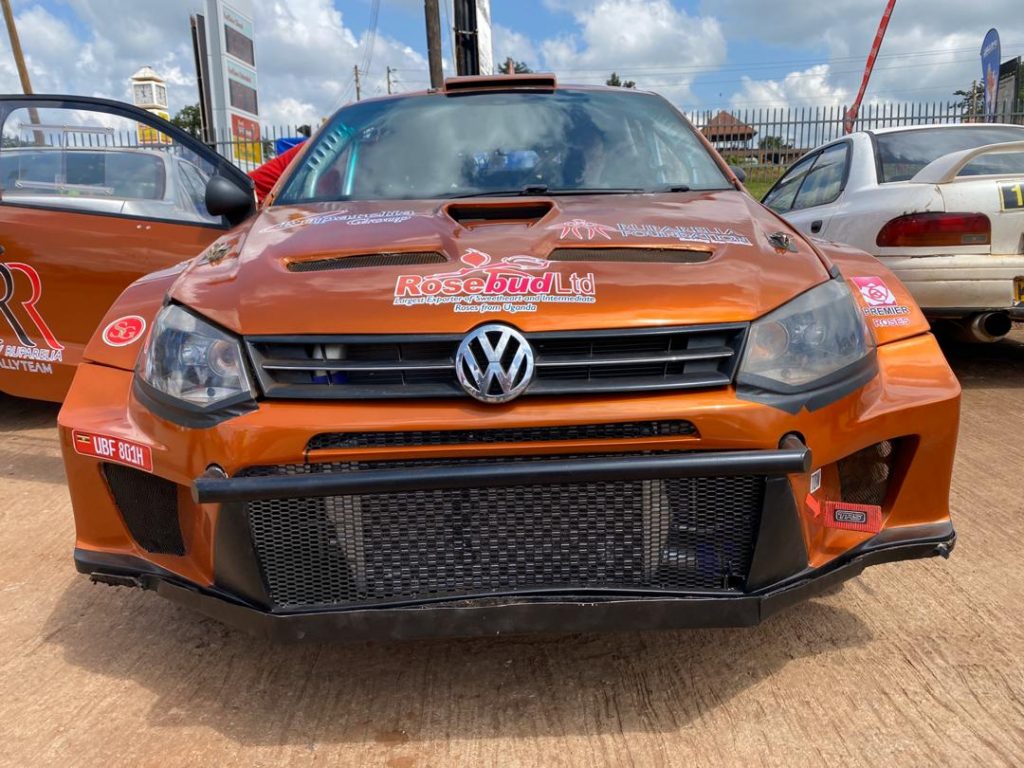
{"x":266,"y":176}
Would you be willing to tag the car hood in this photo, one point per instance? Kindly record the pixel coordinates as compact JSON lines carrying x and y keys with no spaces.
{"x":560,"y":263}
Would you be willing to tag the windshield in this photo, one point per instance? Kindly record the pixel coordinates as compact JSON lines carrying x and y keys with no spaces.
{"x":512,"y":142}
{"x":901,"y":155}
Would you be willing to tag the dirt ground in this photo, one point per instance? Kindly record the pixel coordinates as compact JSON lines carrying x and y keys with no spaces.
{"x":916,"y":663}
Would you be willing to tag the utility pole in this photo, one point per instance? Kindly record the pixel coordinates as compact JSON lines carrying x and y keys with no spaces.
{"x":19,"y":60}
{"x":19,"y":57}
{"x":510,"y":66}
{"x":432,"y":12}
{"x":359,"y":92}
{"x":389,"y":81}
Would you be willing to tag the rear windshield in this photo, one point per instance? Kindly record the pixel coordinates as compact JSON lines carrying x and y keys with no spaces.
{"x":488,"y":143}
{"x":121,"y":174}
{"x":901,"y":155}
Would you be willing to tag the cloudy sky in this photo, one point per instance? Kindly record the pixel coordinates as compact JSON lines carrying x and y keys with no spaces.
{"x":699,"y":53}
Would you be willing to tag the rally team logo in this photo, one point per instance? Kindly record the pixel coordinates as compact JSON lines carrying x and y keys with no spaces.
{"x":124,"y":331}
{"x":484,"y":284}
{"x":581,"y":229}
{"x":22,"y":353}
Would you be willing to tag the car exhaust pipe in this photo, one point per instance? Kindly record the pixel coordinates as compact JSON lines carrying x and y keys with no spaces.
{"x":986,"y":327}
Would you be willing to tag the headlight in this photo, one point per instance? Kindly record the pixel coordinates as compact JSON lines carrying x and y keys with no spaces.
{"x":801,"y":344}
{"x":190,"y":360}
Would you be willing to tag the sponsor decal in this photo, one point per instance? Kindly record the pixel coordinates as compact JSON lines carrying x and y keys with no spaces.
{"x":114,"y":449}
{"x":874,"y":291}
{"x":882,"y":307}
{"x":815,"y":481}
{"x":351,"y":219}
{"x":866,"y":518}
{"x":22,"y":353}
{"x":703,"y":235}
{"x":511,"y":284}
{"x":124,"y":331}
{"x":581,"y":229}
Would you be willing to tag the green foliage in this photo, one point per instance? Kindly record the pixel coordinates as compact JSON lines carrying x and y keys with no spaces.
{"x":518,"y":67}
{"x":773,"y":142}
{"x":972,"y":101}
{"x":618,"y":82}
{"x":189,"y":120}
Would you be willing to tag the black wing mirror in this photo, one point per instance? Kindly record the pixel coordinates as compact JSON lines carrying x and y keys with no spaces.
{"x":227,"y":199}
{"x":740,"y":173}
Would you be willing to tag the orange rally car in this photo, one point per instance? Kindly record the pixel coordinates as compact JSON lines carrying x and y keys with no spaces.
{"x":507,"y":357}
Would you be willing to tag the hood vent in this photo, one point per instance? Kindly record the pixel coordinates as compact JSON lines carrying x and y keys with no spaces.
{"x":631,"y":255}
{"x":368,"y":260}
{"x":474,"y":214}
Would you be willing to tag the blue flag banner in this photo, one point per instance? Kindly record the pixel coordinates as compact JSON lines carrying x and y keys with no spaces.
{"x":991,"y":56}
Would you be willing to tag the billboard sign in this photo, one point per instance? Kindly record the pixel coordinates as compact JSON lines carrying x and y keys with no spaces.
{"x":233,"y":82}
{"x":991,"y":57}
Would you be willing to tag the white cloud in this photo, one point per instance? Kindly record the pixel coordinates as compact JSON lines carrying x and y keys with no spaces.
{"x":635,"y":36}
{"x":304,"y":52}
{"x":811,"y":87}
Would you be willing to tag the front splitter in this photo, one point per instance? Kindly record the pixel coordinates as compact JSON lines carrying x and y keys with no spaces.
{"x":495,"y":616}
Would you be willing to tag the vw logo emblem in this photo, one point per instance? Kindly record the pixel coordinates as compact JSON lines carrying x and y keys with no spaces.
{"x":494,"y":363}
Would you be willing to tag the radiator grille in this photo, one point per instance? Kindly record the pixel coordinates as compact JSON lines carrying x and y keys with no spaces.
{"x":624,"y":431}
{"x":149,"y":506}
{"x":657,"y":536}
{"x":579,"y":362}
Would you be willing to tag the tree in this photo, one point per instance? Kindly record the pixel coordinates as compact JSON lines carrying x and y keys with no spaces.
{"x":773,"y":142}
{"x":618,"y":82}
{"x":189,"y":120}
{"x":972,"y":102}
{"x":518,"y":67}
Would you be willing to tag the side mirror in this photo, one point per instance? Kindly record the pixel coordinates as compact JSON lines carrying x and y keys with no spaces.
{"x":227,"y":199}
{"x":740,"y":173}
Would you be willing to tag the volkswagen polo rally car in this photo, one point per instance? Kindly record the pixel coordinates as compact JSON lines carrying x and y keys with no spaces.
{"x":508,"y":357}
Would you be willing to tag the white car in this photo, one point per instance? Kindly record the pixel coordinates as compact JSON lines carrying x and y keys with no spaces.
{"x":941,"y":206}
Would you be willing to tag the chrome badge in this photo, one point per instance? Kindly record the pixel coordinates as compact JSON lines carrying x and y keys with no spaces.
{"x":494,"y":363}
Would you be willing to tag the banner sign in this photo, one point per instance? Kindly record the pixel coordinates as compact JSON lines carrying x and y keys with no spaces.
{"x":876,"y":46}
{"x":991,"y":56}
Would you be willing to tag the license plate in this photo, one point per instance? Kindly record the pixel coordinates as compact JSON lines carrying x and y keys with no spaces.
{"x":1012,"y":195}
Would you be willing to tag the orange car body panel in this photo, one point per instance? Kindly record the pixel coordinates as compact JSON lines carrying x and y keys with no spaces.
{"x":84,"y":261}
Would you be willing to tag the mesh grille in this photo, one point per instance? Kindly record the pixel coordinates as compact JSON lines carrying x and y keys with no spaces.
{"x":149,"y":506}
{"x":631,"y":255}
{"x":864,"y":476}
{"x":672,"y":535}
{"x":367,"y":260}
{"x":626,"y":431}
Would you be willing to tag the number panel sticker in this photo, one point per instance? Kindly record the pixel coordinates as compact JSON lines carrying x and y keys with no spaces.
{"x":1012,"y":196}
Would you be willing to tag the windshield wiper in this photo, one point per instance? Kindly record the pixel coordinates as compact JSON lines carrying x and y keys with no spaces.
{"x":529,"y":189}
{"x":542,"y":189}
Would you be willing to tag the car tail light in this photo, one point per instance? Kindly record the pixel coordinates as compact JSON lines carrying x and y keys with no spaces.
{"x":926,"y":230}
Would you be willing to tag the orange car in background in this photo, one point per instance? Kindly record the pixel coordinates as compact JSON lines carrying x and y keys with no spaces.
{"x":508,"y":357}
{"x":94,"y":194}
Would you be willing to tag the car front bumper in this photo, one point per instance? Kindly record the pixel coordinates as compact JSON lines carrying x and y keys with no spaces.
{"x":960,"y":285}
{"x":511,"y":615}
{"x":913,"y":401}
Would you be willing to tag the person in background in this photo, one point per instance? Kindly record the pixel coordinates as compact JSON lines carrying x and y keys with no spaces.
{"x":265,"y":176}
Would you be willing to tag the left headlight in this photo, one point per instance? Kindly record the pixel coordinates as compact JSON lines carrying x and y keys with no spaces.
{"x":808,"y":342}
{"x":189,"y":360}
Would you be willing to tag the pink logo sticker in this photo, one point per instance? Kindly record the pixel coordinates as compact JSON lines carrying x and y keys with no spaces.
{"x":124,"y":331}
{"x":874,"y":292}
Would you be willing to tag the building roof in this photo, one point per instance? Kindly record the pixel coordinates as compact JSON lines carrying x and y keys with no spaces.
{"x":727,"y":127}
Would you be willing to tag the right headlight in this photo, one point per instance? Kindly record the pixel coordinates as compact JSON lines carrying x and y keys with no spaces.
{"x":193,"y":364}
{"x":808,"y":342}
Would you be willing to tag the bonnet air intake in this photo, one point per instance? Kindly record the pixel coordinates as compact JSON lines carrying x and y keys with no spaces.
{"x":631,"y":255}
{"x":364,"y":261}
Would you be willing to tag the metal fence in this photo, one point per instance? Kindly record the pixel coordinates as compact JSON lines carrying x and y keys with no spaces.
{"x":766,"y":141}
{"x":763,"y":141}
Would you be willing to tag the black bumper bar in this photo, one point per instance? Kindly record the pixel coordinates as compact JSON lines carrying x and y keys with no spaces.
{"x":523,"y":614}
{"x":214,"y":487}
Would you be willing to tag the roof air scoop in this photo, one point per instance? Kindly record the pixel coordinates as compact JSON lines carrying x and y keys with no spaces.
{"x":532,"y":81}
